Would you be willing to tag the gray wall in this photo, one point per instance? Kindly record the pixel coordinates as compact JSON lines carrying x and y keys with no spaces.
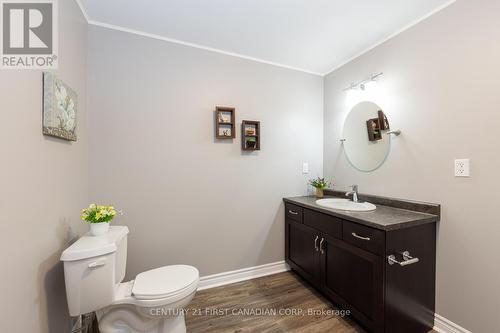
{"x":44,"y":184}
{"x":188,"y":198}
{"x":441,"y":89}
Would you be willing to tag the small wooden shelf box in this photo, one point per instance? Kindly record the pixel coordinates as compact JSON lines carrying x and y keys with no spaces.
{"x":225,"y":121}
{"x":250,"y":135}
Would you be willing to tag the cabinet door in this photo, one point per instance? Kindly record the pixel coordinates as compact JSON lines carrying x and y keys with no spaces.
{"x":302,"y":253}
{"x":410,"y":291}
{"x":354,"y":279}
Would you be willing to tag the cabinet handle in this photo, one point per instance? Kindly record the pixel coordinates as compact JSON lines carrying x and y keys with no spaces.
{"x":407,"y":259}
{"x":321,"y":246}
{"x":360,"y":237}
{"x":316,"y":243}
{"x":293,"y":213}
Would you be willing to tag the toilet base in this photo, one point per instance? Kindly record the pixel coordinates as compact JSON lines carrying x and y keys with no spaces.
{"x":174,"y":325}
{"x":126,"y":320}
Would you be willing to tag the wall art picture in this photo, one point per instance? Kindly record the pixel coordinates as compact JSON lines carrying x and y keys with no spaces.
{"x":59,"y":108}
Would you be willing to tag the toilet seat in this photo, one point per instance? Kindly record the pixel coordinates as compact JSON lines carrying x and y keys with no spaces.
{"x":165,"y":282}
{"x":157,"y":287}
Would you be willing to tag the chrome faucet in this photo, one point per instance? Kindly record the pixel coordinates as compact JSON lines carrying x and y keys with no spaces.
{"x":354,"y":193}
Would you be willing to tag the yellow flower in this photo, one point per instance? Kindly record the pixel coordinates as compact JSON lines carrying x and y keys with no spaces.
{"x":96,"y":213}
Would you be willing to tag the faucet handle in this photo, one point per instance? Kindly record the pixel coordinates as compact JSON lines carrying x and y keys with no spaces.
{"x":354,"y":189}
{"x":354,"y":193}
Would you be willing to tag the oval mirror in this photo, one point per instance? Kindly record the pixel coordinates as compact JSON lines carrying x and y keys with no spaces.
{"x":366,"y":142}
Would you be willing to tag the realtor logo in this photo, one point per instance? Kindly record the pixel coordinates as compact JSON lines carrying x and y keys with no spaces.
{"x":29,"y":34}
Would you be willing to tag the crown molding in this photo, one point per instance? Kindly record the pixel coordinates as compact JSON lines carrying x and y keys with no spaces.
{"x":197,"y":46}
{"x":82,"y":9}
{"x":242,"y":56}
{"x":400,"y":31}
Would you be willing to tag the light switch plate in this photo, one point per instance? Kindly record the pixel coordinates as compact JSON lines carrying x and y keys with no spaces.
{"x":462,"y":167}
{"x":305,"y":167}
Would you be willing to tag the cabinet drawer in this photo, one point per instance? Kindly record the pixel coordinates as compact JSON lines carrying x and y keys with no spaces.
{"x":293,"y":212}
{"x":365,"y":238}
{"x":324,"y":223}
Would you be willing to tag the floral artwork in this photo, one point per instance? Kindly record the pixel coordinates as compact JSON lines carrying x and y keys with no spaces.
{"x":59,"y":108}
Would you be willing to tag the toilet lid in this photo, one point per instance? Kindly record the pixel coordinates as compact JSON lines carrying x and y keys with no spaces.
{"x":165,"y":281}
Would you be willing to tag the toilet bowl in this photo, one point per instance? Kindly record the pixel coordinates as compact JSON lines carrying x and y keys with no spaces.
{"x":154,"y":302}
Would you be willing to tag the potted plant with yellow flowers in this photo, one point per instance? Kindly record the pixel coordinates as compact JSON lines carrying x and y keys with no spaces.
{"x":98,"y":217}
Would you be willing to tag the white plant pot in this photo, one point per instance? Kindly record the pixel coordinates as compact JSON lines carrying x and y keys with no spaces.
{"x":99,"y":229}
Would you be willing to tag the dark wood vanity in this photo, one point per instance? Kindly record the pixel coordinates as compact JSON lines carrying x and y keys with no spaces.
{"x":345,"y":255}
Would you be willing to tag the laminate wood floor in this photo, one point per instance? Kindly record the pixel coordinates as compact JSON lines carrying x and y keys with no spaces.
{"x":261,"y":305}
{"x":272,"y":304}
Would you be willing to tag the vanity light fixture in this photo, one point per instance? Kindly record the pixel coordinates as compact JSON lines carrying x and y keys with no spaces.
{"x":362,"y":85}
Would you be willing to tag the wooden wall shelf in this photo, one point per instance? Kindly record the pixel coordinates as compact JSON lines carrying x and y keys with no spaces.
{"x":250,"y":135}
{"x":225,"y":121}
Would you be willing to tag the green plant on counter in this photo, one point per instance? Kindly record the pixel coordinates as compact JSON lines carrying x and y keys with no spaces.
{"x":320,"y":183}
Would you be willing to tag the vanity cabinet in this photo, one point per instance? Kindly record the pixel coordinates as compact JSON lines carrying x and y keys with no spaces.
{"x":348,"y":262}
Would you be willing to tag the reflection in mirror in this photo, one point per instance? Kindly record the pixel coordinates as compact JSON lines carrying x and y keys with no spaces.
{"x":366,"y":142}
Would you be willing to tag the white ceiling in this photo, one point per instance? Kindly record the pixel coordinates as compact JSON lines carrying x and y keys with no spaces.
{"x":311,"y":35}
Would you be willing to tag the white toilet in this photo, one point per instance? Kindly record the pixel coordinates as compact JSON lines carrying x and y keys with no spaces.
{"x":94,"y":268}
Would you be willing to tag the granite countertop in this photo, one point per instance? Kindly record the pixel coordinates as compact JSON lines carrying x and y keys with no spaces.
{"x":385,"y":217}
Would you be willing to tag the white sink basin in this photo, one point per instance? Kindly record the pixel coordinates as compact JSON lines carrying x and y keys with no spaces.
{"x":346,"y":204}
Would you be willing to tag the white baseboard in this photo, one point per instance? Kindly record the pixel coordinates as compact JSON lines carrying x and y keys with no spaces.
{"x":221,"y":279}
{"x":443,"y":325}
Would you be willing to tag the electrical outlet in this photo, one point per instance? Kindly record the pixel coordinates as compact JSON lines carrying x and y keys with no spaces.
{"x":305,"y":167}
{"x":462,"y":167}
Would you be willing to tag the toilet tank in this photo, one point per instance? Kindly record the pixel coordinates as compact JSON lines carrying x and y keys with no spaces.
{"x":93,"y":267}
